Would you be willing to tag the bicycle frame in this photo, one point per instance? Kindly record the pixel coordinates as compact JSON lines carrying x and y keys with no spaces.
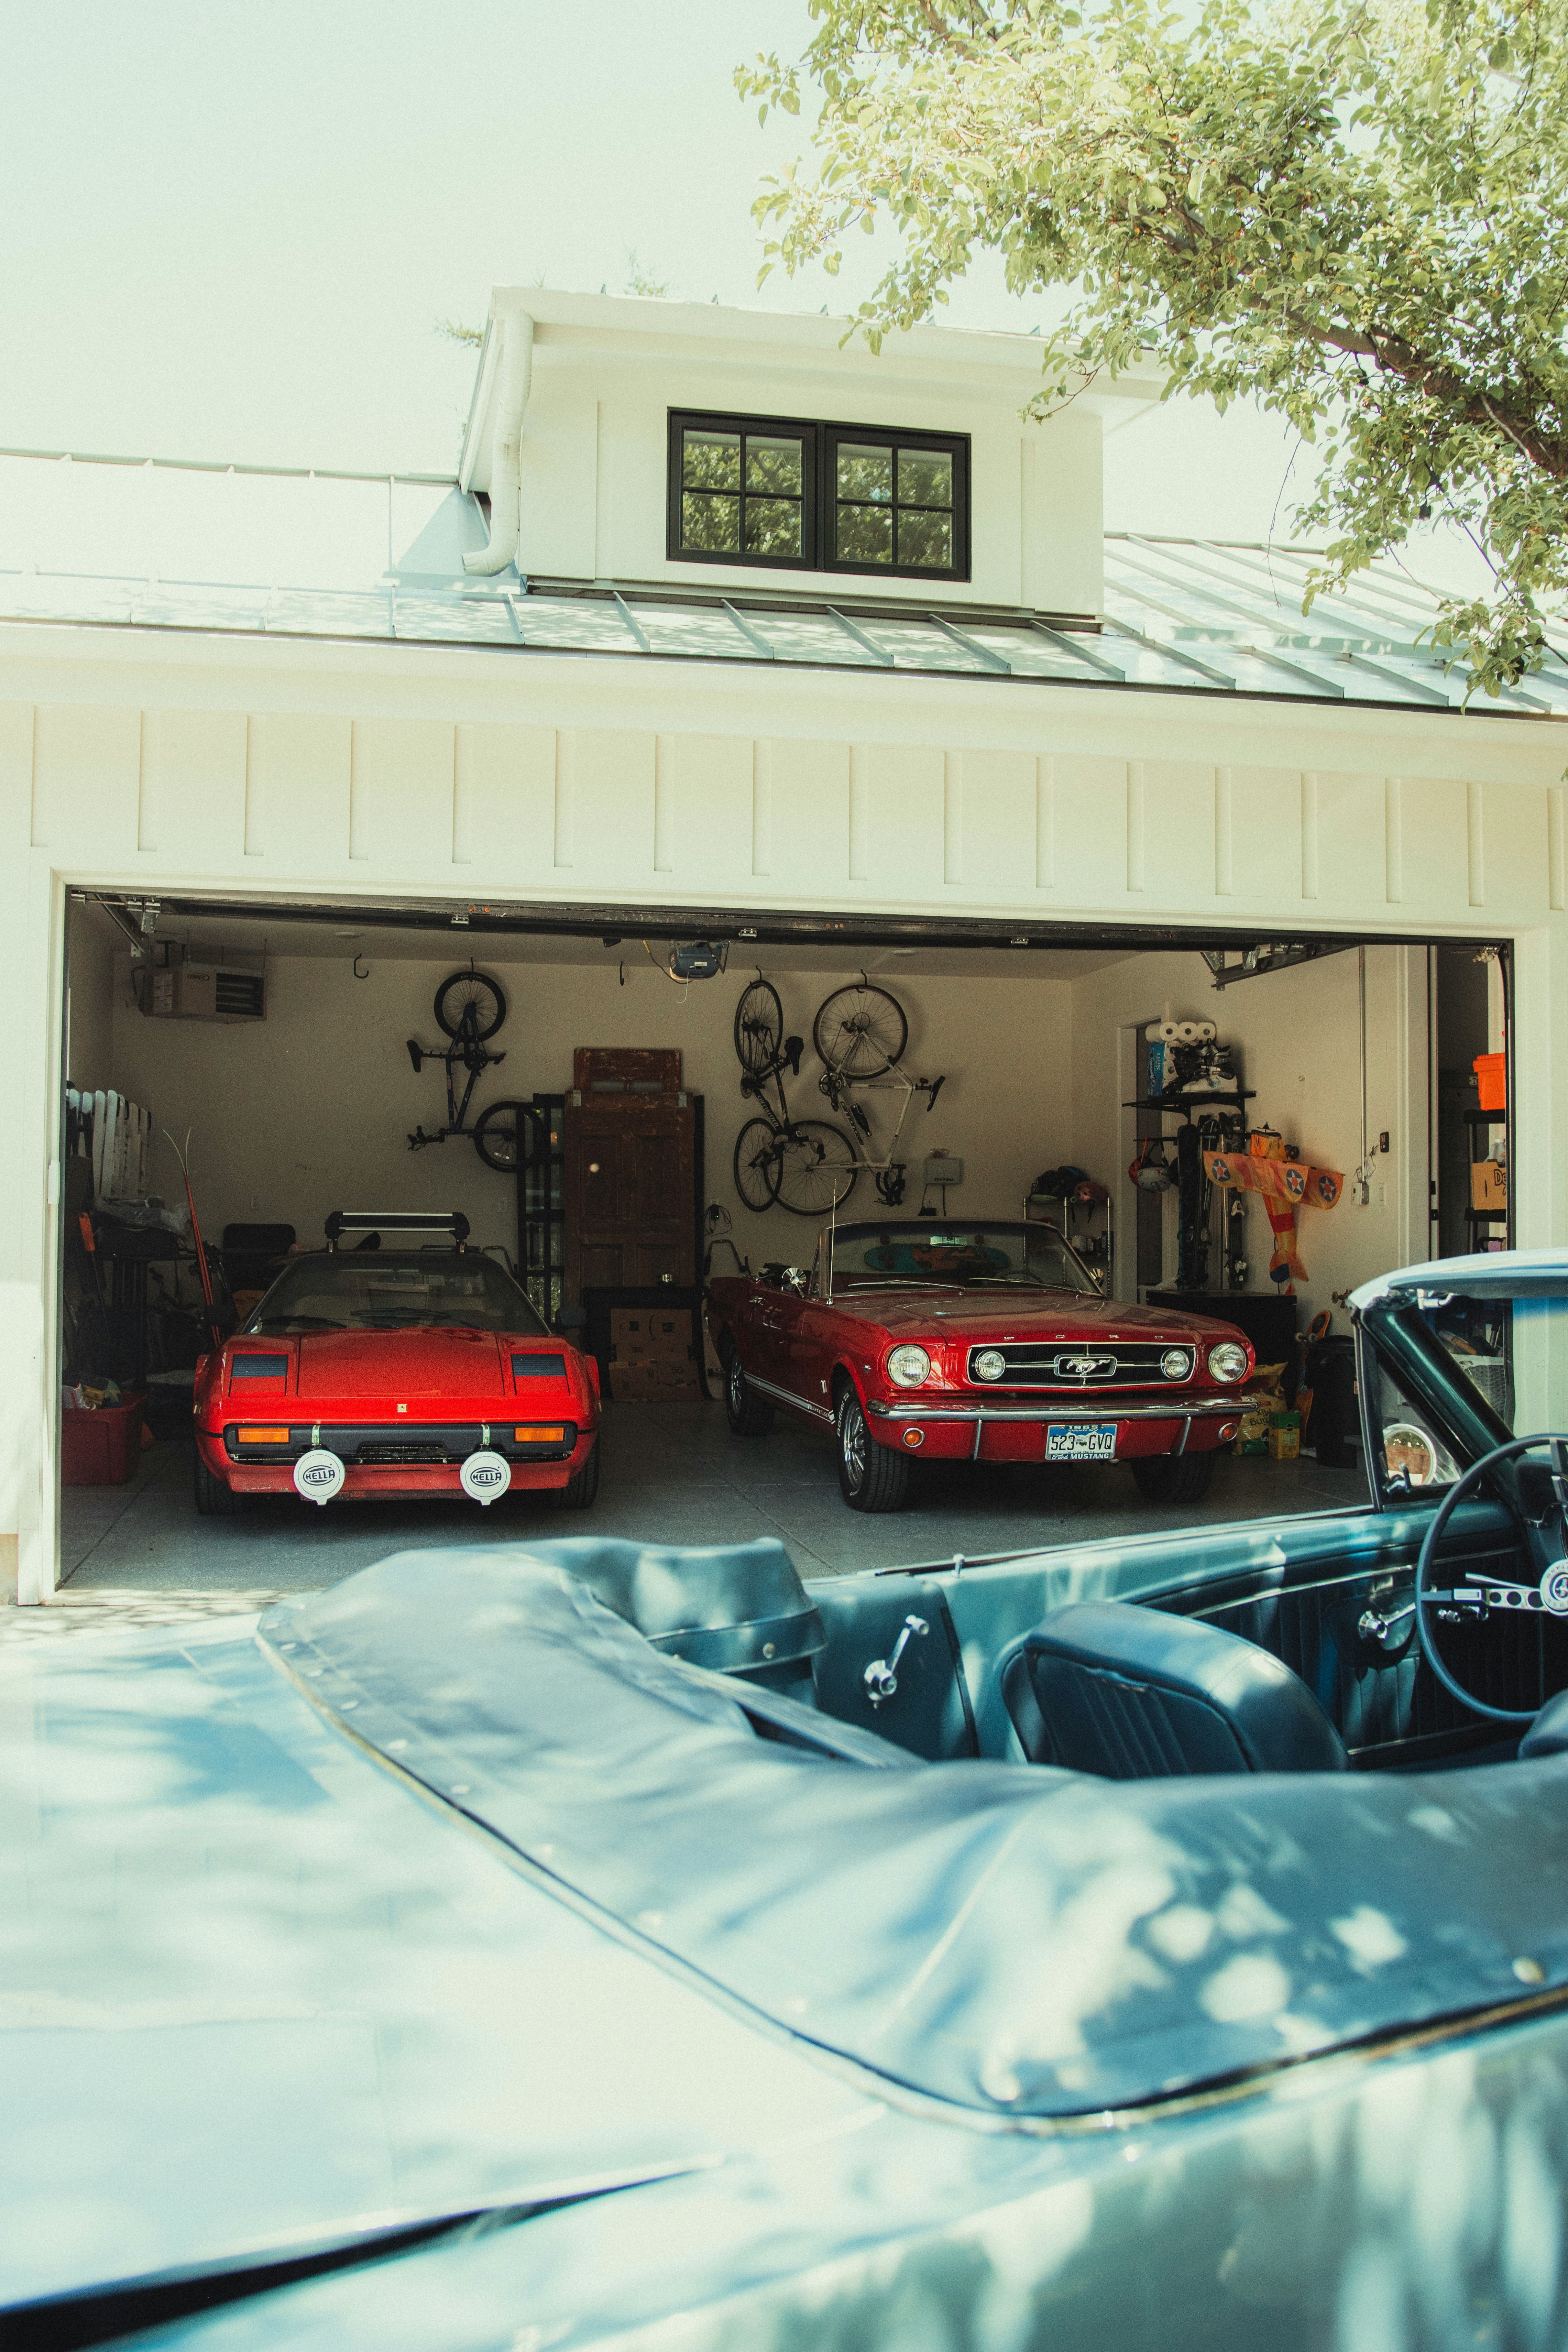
{"x":889,"y":1171}
{"x":466,"y":1048}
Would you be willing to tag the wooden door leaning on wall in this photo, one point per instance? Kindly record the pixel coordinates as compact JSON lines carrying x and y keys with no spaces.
{"x":630,"y":1143}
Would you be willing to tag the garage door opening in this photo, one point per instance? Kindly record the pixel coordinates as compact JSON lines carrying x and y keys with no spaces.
{"x":299,"y":1057}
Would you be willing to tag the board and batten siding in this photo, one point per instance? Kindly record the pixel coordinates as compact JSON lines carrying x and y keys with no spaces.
{"x":142,"y":762}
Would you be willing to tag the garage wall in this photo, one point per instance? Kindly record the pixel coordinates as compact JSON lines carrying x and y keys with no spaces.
{"x":91,"y":978}
{"x":1297,"y":1033}
{"x":309,"y":1110}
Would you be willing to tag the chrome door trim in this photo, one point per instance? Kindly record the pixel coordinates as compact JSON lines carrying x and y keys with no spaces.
{"x":788,"y":1396}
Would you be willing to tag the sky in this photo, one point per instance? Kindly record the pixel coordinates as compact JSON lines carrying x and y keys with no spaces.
{"x":231,"y":233}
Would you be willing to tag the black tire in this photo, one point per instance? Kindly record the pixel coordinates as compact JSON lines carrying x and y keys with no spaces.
{"x":749,"y":1414}
{"x":860,"y":1031}
{"x":757,"y":1166}
{"x":871,"y":1477}
{"x":816,"y":1168}
{"x":578,"y":1492}
{"x":1174,"y":1477}
{"x":213,"y":1499}
{"x":759,"y":1025}
{"x":501,"y":1135}
{"x":461,"y":989}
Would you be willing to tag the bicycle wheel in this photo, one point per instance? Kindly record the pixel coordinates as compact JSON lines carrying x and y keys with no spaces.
{"x":860,"y":1031}
{"x":500,"y":1138}
{"x":460,"y":990}
{"x":816,"y":1170}
{"x":759,"y":1025}
{"x":757,"y":1165}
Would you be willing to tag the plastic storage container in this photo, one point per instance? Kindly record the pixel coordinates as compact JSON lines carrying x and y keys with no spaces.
{"x":101,"y":1448}
{"x":1491,"y":1073}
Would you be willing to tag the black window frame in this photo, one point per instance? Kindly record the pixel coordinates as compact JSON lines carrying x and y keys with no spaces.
{"x":820,"y":439}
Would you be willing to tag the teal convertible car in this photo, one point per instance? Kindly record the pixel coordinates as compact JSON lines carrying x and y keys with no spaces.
{"x":1158,"y":1945}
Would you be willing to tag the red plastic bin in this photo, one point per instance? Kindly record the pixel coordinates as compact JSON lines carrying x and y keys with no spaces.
{"x":1491,"y":1075}
{"x":101,"y":1448}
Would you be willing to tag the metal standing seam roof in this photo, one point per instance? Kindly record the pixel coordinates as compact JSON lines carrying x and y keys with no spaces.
{"x":378,"y":558}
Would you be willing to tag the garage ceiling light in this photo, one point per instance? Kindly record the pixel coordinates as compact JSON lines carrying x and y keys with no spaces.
{"x":348,"y":935}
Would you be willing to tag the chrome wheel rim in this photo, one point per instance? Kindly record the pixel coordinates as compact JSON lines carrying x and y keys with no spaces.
{"x":737,"y":1387}
{"x":852,"y":1441}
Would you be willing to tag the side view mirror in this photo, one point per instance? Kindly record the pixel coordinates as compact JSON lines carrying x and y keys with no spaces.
{"x":569,"y":1319}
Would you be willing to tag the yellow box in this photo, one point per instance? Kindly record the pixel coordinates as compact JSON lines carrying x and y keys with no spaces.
{"x":1488,"y":1185}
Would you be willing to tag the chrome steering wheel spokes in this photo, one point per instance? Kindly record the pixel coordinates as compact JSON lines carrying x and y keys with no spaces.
{"x":1546,"y":1544}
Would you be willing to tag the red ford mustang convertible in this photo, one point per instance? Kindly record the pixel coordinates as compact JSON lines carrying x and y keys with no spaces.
{"x":922,"y":1340}
{"x":381,"y":1372}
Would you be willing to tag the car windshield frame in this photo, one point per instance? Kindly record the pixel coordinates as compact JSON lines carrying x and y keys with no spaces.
{"x":1461,"y":1363}
{"x":493,"y":1302}
{"x":832,"y":1279}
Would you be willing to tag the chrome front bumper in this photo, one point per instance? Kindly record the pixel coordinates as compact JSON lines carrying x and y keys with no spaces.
{"x":1175,"y":1408}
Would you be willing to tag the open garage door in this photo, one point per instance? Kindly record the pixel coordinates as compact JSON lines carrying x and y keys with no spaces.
{"x":306,"y":1050}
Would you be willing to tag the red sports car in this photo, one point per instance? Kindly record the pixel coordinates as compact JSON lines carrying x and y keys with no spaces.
{"x":926,"y":1339}
{"x":376,"y":1372}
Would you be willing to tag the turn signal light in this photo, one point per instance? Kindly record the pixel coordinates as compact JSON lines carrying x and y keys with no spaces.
{"x":539,"y":1436}
{"x":264,"y":1437}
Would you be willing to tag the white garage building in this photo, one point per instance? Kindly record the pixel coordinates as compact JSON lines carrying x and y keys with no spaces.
{"x":722,"y":630}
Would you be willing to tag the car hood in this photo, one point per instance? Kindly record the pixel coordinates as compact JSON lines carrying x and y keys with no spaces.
{"x":1026,"y":1313}
{"x":376,"y":1364}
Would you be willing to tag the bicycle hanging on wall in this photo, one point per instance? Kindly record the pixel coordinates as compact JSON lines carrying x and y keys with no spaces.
{"x":470,"y":1008}
{"x":780,"y":1161}
{"x":860,"y":1033}
{"x":811,"y":1166}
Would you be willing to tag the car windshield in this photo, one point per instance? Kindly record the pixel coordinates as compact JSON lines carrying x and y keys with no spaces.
{"x":938,"y":1254}
{"x":1505,"y":1350}
{"x":377,"y":1290}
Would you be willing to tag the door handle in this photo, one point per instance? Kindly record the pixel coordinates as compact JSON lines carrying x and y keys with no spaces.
{"x":881,"y":1679}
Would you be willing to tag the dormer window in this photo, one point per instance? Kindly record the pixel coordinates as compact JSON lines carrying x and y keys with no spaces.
{"x":778,"y":492}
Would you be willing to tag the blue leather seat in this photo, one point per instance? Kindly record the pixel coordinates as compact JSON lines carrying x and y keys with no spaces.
{"x":1134,"y":1695}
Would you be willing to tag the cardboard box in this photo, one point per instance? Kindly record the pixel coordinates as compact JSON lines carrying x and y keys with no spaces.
{"x":1488,"y":1185}
{"x":642,"y":1381}
{"x":650,"y":1335}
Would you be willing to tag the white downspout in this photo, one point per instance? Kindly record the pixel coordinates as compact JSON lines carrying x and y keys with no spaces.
{"x":516,"y":374}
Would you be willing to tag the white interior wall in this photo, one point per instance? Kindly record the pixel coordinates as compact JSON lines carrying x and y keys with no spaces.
{"x":1297,"y":1032}
{"x":89,"y":1001}
{"x":309,"y":1110}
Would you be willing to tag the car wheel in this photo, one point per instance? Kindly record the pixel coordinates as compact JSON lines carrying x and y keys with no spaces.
{"x":214,"y":1500}
{"x":1174,"y":1477}
{"x":578,"y":1492}
{"x":750,"y":1415}
{"x":871,"y":1477}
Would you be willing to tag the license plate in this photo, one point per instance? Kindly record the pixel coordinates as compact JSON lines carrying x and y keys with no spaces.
{"x":1080,"y":1441}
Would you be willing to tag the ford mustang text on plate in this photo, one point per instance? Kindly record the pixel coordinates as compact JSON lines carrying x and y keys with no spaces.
{"x":395,"y":1371}
{"x":921,"y":1339}
{"x":1158,"y":1945}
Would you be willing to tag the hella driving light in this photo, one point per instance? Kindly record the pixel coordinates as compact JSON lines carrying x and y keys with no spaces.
{"x":1176,"y":1364}
{"x":1227,"y":1361}
{"x":908,"y":1367}
{"x":990,"y":1364}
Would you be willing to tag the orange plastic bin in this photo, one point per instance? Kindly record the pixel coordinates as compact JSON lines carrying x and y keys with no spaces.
{"x":1491,"y":1073}
{"x":101,"y":1448}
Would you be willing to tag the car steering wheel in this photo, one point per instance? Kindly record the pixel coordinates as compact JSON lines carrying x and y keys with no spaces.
{"x":1545,"y":1543}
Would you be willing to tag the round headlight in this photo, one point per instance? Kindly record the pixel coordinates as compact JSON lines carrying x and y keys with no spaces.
{"x":908,"y":1367}
{"x":1176,"y":1364}
{"x":1227,"y":1360}
{"x":990,"y":1364}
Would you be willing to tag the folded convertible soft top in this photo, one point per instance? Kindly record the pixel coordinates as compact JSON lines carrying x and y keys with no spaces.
{"x":1022,"y":1942}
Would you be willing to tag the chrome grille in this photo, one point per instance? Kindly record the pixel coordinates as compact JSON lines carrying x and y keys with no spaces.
{"x":1060,"y":1364}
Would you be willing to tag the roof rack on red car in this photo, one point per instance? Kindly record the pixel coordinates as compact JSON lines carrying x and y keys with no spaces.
{"x":396,"y":1220}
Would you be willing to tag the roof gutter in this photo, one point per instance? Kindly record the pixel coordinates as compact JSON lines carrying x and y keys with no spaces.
{"x":515,"y":377}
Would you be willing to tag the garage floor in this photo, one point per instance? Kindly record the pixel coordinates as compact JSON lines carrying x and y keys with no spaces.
{"x":672,"y":1474}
